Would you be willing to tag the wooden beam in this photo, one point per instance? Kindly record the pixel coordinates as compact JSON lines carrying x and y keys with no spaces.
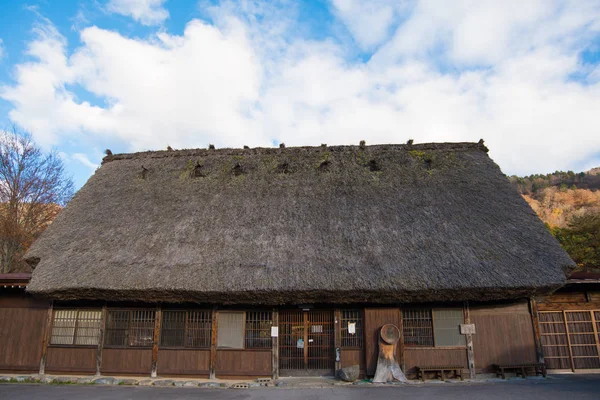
{"x":568,"y":306}
{"x":337,"y":337}
{"x":275,"y":347}
{"x":46,"y":339}
{"x":157,"y":319}
{"x":213,"y":344}
{"x":401,"y":341}
{"x":101,"y":341}
{"x":533,"y":310}
{"x":569,"y":341}
{"x":469,"y":339}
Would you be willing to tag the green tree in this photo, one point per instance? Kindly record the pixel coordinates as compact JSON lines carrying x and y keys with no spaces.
{"x":581,"y":239}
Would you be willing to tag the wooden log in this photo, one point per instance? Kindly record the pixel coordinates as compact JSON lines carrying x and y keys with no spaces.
{"x":533,"y":310}
{"x":469,"y":340}
{"x":387,"y":365}
{"x":101,"y":341}
{"x":46,"y":339}
{"x":337,"y":338}
{"x":213,"y":345}
{"x":156,"y":338}
{"x":275,"y":347}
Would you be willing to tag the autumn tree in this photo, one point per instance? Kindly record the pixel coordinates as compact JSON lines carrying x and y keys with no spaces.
{"x":33,"y":189}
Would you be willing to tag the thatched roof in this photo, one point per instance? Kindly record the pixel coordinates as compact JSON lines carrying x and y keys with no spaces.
{"x":386,"y":223}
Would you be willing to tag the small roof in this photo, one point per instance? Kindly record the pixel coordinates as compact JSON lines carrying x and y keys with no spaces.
{"x":343,"y":224}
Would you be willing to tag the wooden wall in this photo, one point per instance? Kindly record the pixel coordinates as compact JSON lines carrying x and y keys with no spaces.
{"x":22,"y":327}
{"x":243,"y":363}
{"x":126,"y":361}
{"x":183,"y":362}
{"x":375,"y":318}
{"x":351,"y":357}
{"x":414,"y":356}
{"x":504,"y":335}
{"x":71,"y":359}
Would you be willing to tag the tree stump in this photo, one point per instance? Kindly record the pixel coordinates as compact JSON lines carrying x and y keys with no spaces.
{"x":388,"y":369}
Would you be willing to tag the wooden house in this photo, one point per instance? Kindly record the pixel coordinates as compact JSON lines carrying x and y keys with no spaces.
{"x":285,"y":262}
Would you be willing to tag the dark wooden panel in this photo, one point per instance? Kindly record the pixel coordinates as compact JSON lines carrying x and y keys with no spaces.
{"x":504,"y":335}
{"x":351,"y":357}
{"x":127,"y":361}
{"x":375,"y":318}
{"x":71,"y":359}
{"x":20,"y":300}
{"x":22,"y":331}
{"x":183,"y":362}
{"x":414,"y":356}
{"x":574,"y":297}
{"x":594,"y":297}
{"x":243,"y":362}
{"x":568,"y":306}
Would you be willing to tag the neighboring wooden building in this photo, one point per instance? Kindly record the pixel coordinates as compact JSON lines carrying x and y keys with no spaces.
{"x":281,"y":262}
{"x":569,"y":322}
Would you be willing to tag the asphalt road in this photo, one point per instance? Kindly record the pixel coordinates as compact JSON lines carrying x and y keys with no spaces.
{"x":570,"y":387}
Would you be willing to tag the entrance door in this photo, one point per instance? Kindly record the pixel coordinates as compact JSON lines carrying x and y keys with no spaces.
{"x":306,"y":342}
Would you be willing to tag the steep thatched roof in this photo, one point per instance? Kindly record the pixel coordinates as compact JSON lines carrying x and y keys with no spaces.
{"x":387,"y":223}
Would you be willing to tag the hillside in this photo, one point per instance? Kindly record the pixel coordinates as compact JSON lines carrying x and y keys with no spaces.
{"x":569,"y":204}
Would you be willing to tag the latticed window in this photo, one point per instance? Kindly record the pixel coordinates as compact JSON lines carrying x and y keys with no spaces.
{"x":352,"y":328}
{"x":417,"y":327}
{"x":190,"y":329}
{"x":130,"y":328}
{"x":76,"y":327}
{"x":429,"y":328}
{"x":258,"y":329}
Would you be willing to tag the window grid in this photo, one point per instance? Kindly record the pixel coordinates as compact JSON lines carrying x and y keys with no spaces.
{"x":258,"y":329}
{"x":76,"y":327}
{"x":348,"y":339}
{"x":417,"y":327}
{"x":189,"y":329}
{"x":130,"y":328}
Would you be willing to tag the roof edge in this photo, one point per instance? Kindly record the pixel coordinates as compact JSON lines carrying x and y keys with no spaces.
{"x":456,"y":146}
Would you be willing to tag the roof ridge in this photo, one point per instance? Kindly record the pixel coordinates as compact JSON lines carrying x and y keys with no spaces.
{"x":271,"y":150}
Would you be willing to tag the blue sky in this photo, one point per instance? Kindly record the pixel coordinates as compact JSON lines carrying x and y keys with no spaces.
{"x":133,"y":75}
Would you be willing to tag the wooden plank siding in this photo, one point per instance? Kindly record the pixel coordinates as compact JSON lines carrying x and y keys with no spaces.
{"x":126,"y":361}
{"x":504,"y":335}
{"x":414,"y":356}
{"x":375,"y":318}
{"x":81,"y":360}
{"x":22,"y":328}
{"x":183,"y":362}
{"x":243,"y":363}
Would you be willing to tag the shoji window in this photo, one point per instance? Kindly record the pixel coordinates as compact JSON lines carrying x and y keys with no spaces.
{"x":76,"y":327}
{"x":446,"y":328}
{"x":231,"y":326}
{"x":429,"y":328}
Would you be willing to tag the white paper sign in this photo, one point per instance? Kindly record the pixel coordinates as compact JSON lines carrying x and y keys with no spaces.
{"x":351,"y":328}
{"x":274,"y":331}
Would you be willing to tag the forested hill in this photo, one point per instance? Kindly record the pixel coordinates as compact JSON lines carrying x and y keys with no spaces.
{"x":569,"y":204}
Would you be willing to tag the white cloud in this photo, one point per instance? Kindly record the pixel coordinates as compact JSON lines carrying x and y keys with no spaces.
{"x":147,"y":12}
{"x":236,"y":83}
{"x":83,"y":159}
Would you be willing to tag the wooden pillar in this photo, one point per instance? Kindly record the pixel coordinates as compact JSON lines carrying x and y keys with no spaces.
{"x":275,"y":346}
{"x":213,"y":345}
{"x":157,"y":319}
{"x":569,"y":341}
{"x":401,"y":342}
{"x":101,"y":341}
{"x":337,"y":336}
{"x":46,"y":339}
{"x":535,"y":321}
{"x":595,"y":327}
{"x":469,"y":339}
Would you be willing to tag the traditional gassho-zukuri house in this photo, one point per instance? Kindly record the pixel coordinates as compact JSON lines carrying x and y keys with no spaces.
{"x":285,"y":261}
